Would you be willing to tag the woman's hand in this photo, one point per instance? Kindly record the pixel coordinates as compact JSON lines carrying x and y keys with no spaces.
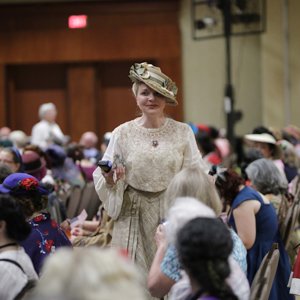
{"x":160,"y":236}
{"x":114,"y":175}
{"x":66,"y":225}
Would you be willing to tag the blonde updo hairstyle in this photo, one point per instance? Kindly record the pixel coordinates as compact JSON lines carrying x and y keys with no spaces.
{"x":193,"y":182}
{"x":89,"y":274}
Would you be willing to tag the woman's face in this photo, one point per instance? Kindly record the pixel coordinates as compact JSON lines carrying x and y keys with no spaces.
{"x":149,"y":101}
{"x":50,"y":115}
{"x":265,"y":149}
{"x":7,"y":158}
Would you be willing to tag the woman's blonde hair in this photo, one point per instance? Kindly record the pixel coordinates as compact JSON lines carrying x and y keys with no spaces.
{"x":193,"y":182}
{"x":89,"y":274}
{"x":135,"y":87}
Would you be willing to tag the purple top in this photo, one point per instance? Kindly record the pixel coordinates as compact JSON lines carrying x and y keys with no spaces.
{"x":44,"y":238}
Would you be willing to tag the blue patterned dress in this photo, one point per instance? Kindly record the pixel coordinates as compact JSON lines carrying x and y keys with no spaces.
{"x":45,"y":237}
{"x":267,"y":233}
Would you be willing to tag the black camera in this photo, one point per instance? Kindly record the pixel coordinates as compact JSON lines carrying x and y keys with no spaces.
{"x":105,"y":165}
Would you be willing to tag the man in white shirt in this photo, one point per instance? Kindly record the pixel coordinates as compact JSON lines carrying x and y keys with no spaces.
{"x":47,"y":131}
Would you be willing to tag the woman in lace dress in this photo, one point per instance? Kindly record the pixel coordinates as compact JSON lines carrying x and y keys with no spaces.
{"x":146,"y":153}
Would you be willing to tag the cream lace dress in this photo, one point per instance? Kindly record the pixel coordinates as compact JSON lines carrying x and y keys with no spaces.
{"x":152,"y":157}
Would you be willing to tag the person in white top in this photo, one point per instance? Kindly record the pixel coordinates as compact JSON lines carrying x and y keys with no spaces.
{"x":16,"y":268}
{"x":47,"y":131}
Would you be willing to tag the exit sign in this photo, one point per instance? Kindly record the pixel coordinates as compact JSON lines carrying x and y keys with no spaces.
{"x":77,"y":21}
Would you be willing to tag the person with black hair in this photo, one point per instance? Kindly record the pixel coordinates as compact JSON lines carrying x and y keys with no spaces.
{"x":205,"y":259}
{"x":208,"y":148}
{"x":46,"y":235}
{"x":16,"y":268}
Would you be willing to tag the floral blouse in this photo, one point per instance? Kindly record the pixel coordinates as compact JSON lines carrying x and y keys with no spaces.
{"x":170,"y":265}
{"x":45,"y":237}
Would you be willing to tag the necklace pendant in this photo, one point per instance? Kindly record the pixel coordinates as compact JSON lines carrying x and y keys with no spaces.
{"x":155,"y":143}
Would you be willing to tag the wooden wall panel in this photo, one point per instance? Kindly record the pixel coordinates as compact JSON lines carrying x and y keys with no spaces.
{"x":118,"y":105}
{"x":3,"y":120}
{"x":155,"y":41}
{"x":116,"y":102}
{"x":29,"y":86}
{"x":25,"y":111}
{"x":81,"y":99}
{"x":94,"y":62}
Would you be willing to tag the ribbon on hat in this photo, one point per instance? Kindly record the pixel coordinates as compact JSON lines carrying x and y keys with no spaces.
{"x":147,"y":71}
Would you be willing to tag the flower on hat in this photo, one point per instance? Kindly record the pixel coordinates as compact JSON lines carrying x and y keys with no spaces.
{"x":170,"y":87}
{"x":155,"y":79}
{"x":142,"y":69}
{"x":29,"y":184}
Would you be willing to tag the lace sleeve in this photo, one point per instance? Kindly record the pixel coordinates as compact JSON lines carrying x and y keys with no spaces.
{"x":111,"y":197}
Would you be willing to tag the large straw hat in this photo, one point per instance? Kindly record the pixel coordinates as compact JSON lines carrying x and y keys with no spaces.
{"x":261,"y":138}
{"x":155,"y":79}
{"x":265,"y":138}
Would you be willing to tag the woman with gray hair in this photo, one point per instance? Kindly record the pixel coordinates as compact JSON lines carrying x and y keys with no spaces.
{"x":269,"y":181}
{"x":265,"y":177}
{"x":47,"y":131}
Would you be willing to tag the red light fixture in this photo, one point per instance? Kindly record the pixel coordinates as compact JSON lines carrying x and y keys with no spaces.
{"x":77,"y":21}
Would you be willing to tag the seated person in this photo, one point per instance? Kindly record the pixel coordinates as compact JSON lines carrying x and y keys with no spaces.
{"x":205,"y":259}
{"x":89,"y":274}
{"x":16,"y":269}
{"x":46,"y":236}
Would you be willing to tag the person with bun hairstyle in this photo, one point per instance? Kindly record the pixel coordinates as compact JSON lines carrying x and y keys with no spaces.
{"x":205,"y":259}
{"x":46,"y":235}
{"x":16,"y":268}
{"x":146,"y":153}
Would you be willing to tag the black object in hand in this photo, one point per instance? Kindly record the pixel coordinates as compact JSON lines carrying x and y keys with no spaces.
{"x":105,"y":165}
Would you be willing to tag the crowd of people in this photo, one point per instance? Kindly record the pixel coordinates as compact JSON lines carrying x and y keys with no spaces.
{"x":180,"y":213}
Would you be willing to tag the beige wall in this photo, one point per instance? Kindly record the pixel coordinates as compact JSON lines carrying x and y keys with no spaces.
{"x":257,"y":72}
{"x":281,"y":103}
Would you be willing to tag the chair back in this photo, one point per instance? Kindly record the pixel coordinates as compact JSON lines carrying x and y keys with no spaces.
{"x":264,"y":277}
{"x":73,"y":201}
{"x":89,"y":200}
{"x":289,"y":223}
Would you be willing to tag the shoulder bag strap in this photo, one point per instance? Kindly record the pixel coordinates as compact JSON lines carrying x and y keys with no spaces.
{"x":13,"y":262}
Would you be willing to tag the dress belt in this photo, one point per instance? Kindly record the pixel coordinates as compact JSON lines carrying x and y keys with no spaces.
{"x":145,"y":193}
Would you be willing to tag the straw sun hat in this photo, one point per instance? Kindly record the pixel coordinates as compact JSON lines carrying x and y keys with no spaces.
{"x":261,"y":138}
{"x":268,"y":139}
{"x":154,"y":78}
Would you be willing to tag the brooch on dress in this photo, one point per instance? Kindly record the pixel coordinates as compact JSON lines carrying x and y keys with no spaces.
{"x":155,"y":143}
